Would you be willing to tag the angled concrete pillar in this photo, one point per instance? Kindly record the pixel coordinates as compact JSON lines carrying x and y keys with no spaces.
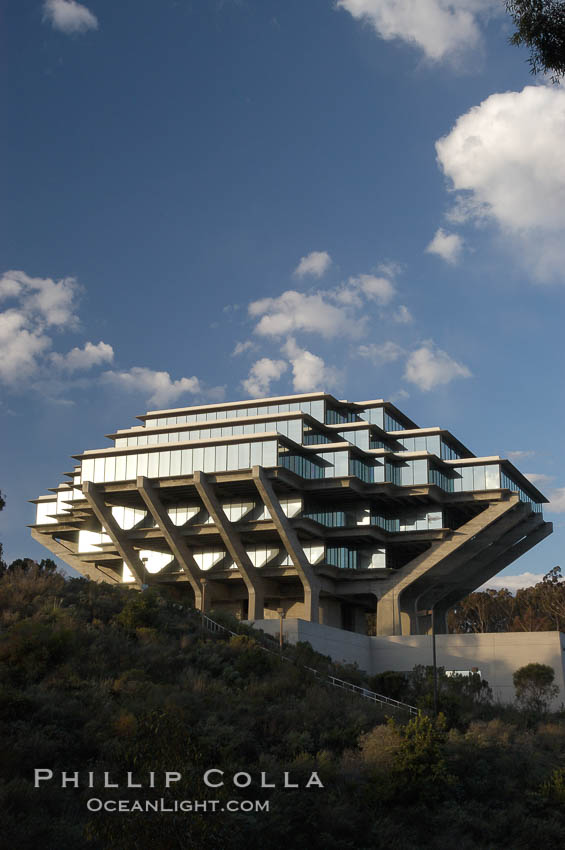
{"x":537,"y":532}
{"x":116,"y":534}
{"x":232,"y":541}
{"x":310,"y":581}
{"x":397,"y":608}
{"x":174,"y":539}
{"x":66,"y":551}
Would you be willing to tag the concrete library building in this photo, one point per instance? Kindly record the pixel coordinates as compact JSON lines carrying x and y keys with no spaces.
{"x":315,"y":509}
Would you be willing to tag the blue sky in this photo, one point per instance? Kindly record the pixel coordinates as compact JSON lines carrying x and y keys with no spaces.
{"x":222,"y":199}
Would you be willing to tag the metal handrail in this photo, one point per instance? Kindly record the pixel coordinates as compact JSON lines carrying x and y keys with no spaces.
{"x":215,"y":627}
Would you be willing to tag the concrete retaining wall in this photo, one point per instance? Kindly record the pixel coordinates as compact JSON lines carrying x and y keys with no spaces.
{"x":496,"y":654}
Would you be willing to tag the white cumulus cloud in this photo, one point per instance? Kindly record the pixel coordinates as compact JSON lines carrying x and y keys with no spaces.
{"x":429,"y":367}
{"x":83,"y":358}
{"x":379,"y":353}
{"x":34,"y":307}
{"x":316,"y":263}
{"x":365,"y":287}
{"x":448,"y":246}
{"x":504,"y":160}
{"x":158,"y":387}
{"x":294,"y":311}
{"x":328,"y":312}
{"x":440,"y":28}
{"x":309,"y":371}
{"x":513,"y":583}
{"x":262,"y":374}
{"x":68,"y":16}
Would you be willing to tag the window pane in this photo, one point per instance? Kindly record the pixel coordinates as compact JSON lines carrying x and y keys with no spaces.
{"x":232,"y":456}
{"x":153,"y":465}
{"x":243,"y":455}
{"x":131,"y":466}
{"x":186,"y":462}
{"x":164,"y":463}
{"x":479,"y":478}
{"x":110,"y":469}
{"x":209,"y":459}
{"x":175,"y":463}
{"x":142,"y":464}
{"x":99,"y":469}
{"x":198,"y":459}
{"x":256,"y":454}
{"x":221,"y":458}
{"x":492,"y":477}
{"x":269,"y":453}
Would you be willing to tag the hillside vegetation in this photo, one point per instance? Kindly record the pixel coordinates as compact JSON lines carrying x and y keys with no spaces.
{"x":100,"y":678}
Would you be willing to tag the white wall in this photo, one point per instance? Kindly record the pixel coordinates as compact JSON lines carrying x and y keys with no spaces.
{"x":497,"y":654}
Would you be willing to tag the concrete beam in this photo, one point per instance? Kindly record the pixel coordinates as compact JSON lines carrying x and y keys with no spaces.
{"x":116,"y":534}
{"x":64,"y":552}
{"x":175,"y":541}
{"x":289,"y":538}
{"x":494,"y":566}
{"x":486,"y":563}
{"x":441,"y":559}
{"x":232,"y":541}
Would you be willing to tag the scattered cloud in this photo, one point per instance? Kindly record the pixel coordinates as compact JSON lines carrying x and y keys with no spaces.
{"x":513,"y":583}
{"x":365,"y":286}
{"x":294,"y":311}
{"x":402,"y":315}
{"x":399,"y":395}
{"x":262,"y":374}
{"x":429,"y":367}
{"x":316,"y":263}
{"x":448,"y":246}
{"x":242,"y":347}
{"x":42,"y":300}
{"x":538,"y":477}
{"x":556,"y":501}
{"x":504,"y":160}
{"x":35,"y":308}
{"x":330,"y":312}
{"x":83,"y":358}
{"x":156,"y":386}
{"x":379,"y":353}
{"x":519,"y":455}
{"x":309,"y":372}
{"x":440,"y":28}
{"x":69,"y":17}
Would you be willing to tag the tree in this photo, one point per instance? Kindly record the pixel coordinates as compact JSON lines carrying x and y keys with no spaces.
{"x":534,"y":687}
{"x":2,"y":564}
{"x":540,"y":25}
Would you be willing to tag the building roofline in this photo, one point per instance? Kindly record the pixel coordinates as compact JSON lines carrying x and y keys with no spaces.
{"x":249,"y":402}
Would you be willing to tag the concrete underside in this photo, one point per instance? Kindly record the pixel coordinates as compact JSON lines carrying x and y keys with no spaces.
{"x":497,"y":655}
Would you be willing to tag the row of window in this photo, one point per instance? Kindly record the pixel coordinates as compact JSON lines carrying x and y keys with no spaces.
{"x":219,"y":458}
{"x":509,"y":484}
{"x":314,"y":408}
{"x":379,"y":416}
{"x":336,"y":417}
{"x":348,"y":558}
{"x":291,"y":428}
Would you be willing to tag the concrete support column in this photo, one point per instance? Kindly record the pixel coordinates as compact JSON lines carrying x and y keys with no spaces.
{"x":232,"y":541}
{"x":392,"y":619}
{"x":104,"y":515}
{"x":289,"y":538}
{"x":174,"y":539}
